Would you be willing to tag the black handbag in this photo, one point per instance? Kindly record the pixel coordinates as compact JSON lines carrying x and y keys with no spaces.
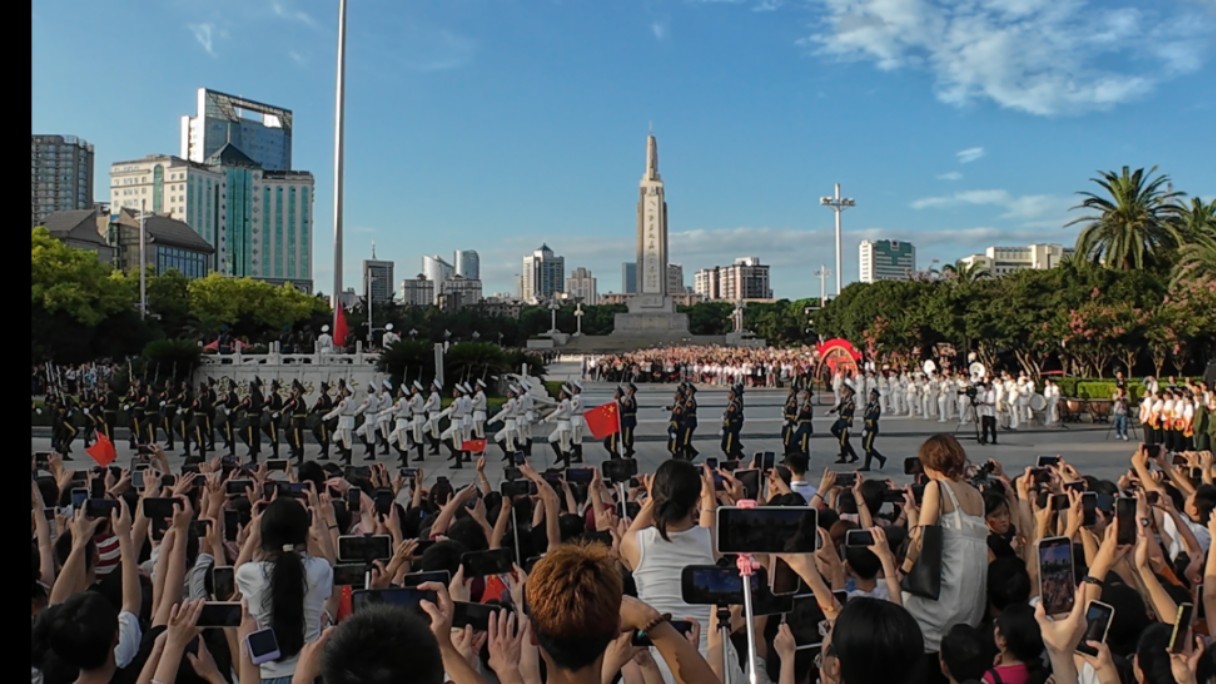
{"x":925,"y":577}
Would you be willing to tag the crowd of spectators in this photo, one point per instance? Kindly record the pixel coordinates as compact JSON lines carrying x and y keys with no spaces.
{"x":72,"y":379}
{"x":706,"y":365}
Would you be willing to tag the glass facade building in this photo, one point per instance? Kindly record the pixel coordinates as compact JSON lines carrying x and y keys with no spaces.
{"x":259,"y":130}
{"x":61,"y":175}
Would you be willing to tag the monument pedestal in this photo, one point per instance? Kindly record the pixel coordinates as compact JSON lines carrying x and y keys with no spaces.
{"x":651,"y":316}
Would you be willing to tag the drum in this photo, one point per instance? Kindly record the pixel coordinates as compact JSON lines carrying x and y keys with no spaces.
{"x":1038,"y":402}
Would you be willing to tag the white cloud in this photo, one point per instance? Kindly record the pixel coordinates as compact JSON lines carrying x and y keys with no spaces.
{"x":1043,"y":57}
{"x":284,"y":10}
{"x":950,"y":176}
{"x":297,"y":57}
{"x":659,"y":29}
{"x":969,"y":155}
{"x":1030,"y":211}
{"x":203,"y":34}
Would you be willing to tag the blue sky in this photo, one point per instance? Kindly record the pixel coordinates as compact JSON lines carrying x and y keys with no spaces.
{"x":500,"y":124}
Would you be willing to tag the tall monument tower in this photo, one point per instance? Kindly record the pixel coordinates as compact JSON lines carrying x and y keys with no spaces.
{"x":652,"y":226}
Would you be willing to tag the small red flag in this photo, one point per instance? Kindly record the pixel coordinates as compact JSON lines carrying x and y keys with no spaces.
{"x":214,"y":346}
{"x":474,"y":446}
{"x":340,"y":326}
{"x":103,"y":451}
{"x":603,"y":421}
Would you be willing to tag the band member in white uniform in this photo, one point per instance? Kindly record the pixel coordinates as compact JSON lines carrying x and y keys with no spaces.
{"x":479,"y":410}
{"x":559,"y":439}
{"x":1025,"y":390}
{"x":1011,"y":402}
{"x":1051,"y":392}
{"x":945,"y":398}
{"x":325,"y":341}
{"x":345,"y":411}
{"x":914,"y":396}
{"x":929,"y":397}
{"x":508,"y":414}
{"x":577,"y":425}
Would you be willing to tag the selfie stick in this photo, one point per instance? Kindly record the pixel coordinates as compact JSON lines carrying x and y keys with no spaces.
{"x":624,"y":504}
{"x":514,"y":531}
{"x":747,"y":567}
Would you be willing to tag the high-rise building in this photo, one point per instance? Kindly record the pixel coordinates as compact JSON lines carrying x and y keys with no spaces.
{"x":629,"y":277}
{"x":581,"y":285}
{"x":259,"y":222}
{"x":999,"y":261}
{"x":61,"y":175}
{"x":467,"y":264}
{"x":886,"y":260}
{"x":543,"y":275}
{"x":458,"y":292}
{"x":417,"y":291}
{"x":652,"y":226}
{"x":675,"y":279}
{"x":436,"y":269}
{"x":746,"y":279}
{"x":261,"y":131}
{"x":378,"y":279}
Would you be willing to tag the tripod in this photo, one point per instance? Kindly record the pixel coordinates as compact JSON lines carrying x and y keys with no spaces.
{"x":974,"y":406}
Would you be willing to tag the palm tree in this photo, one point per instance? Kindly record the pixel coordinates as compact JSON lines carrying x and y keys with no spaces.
{"x":1197,"y":255}
{"x":962,"y":272}
{"x":1136,"y":219}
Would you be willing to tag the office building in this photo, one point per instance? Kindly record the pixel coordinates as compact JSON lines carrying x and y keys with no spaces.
{"x":259,"y":222}
{"x":61,"y":175}
{"x":629,"y":277}
{"x":261,"y":131}
{"x":675,"y":279}
{"x":886,"y":260}
{"x":543,"y":275}
{"x":581,"y":286}
{"x":1002,"y":260}
{"x":467,"y":264}
{"x":378,"y":279}
{"x":436,"y":269}
{"x":418,"y":291}
{"x":169,"y":244}
{"x":78,"y":229}
{"x":746,"y":279}
{"x":458,"y":292}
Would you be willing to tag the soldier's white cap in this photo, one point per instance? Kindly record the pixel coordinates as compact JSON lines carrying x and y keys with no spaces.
{"x":325,"y":328}
{"x":388,"y":326}
{"x":527,"y":386}
{"x":481,"y":383}
{"x":388,"y":384}
{"x":417,"y":385}
{"x":576,"y":384}
{"x":436,"y":385}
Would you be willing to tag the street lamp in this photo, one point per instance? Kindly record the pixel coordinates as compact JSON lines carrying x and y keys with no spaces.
{"x":578,"y":318}
{"x":838,"y":204}
{"x":823,"y":274}
{"x":143,"y":262}
{"x":553,"y":307}
{"x":370,"y":279}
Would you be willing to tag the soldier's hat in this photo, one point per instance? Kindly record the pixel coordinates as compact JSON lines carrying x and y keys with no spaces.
{"x":631,"y":386}
{"x":481,"y":383}
{"x":325,"y":328}
{"x":577,"y":385}
{"x":388,"y":384}
{"x":296,"y":386}
{"x":692,"y":388}
{"x":324,"y":385}
{"x":436,"y":385}
{"x":274,"y":384}
{"x":418,"y":386}
{"x":341,"y":383}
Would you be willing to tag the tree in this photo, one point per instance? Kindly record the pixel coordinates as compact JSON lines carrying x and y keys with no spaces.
{"x":1134,"y":222}
{"x":1197,"y":256}
{"x":74,"y":282}
{"x":961,"y":272}
{"x":250,"y":308}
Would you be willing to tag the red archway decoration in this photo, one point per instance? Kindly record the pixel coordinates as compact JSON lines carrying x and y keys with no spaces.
{"x":839,"y":355}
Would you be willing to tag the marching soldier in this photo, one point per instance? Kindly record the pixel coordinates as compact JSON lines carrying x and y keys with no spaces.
{"x":675,"y":422}
{"x":434,"y":412}
{"x":135,"y":417}
{"x":252,"y":408}
{"x":151,"y":413}
{"x":577,"y":425}
{"x":509,"y":416}
{"x":168,"y":412}
{"x":399,"y":437}
{"x":732,"y":421}
{"x":689,"y":423}
{"x":296,"y":410}
{"x":184,"y":401}
{"x":272,"y":416}
{"x":454,"y":437}
{"x":612,"y":442}
{"x":873,"y":412}
{"x":479,"y":410}
{"x":213,"y":403}
{"x":321,"y":428}
{"x":64,"y":410}
{"x":840,"y":429}
{"x":344,"y":411}
{"x":559,"y":439}
{"x":803,"y":425}
{"x":230,"y":406}
{"x":789,"y":419}
{"x":369,"y":408}
{"x":109,"y":411}
{"x":417,"y":417}
{"x":384,"y":421}
{"x":200,"y":411}
{"x":629,"y":418}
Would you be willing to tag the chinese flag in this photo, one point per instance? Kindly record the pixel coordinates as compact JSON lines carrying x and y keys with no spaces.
{"x":340,"y":326}
{"x":603,"y":421}
{"x":102,"y":451}
{"x":474,"y":446}
{"x":214,"y":346}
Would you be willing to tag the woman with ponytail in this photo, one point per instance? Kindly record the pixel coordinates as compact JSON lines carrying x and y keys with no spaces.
{"x":674,"y":529}
{"x":284,"y":587}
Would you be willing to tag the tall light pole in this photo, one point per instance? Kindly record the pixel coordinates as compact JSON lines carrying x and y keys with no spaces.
{"x":370,"y":279}
{"x":839,"y":204}
{"x":143,"y":263}
{"x":823,"y":274}
{"x":339,"y":115}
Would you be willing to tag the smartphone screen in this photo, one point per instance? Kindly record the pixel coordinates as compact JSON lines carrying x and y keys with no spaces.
{"x":786,"y":582}
{"x":354,"y":499}
{"x":1089,"y":509}
{"x":223,"y":582}
{"x":486,"y":563}
{"x":279,"y":464}
{"x":263,"y":646}
{"x":1125,"y":518}
{"x":100,"y":508}
{"x":475,"y":615}
{"x":1098,"y":616}
{"x":712,"y":462}
{"x":711,"y":585}
{"x":1060,"y":502}
{"x":1045,"y":461}
{"x":220,"y":614}
{"x":859,"y":538}
{"x":409,"y":473}
{"x":512,"y":474}
{"x":1182,"y":627}
{"x":640,"y":640}
{"x":846,"y":480}
{"x":158,"y":509}
{"x":350,"y":575}
{"x":750,"y":479}
{"x":232,"y":521}
{"x":807,"y":623}
{"x":1057,"y":586}
{"x":413,"y":579}
{"x":912,"y":466}
{"x":384,"y":501}
{"x":237,"y":487}
{"x":518,"y":488}
{"x":407,"y":598}
{"x":79,"y":496}
{"x":579,"y":475}
{"x":764,"y":460}
{"x":361,"y":549}
{"x":767,"y":529}
{"x":519,"y":458}
{"x":619,"y":470}
{"x":1075,"y":485}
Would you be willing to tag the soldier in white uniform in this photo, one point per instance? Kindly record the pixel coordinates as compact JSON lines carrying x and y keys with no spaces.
{"x":506,"y":437}
{"x":401,"y":436}
{"x":384,"y":421}
{"x":577,"y":425}
{"x":560,"y":438}
{"x":479,"y":410}
{"x":1025,"y":389}
{"x":457,"y":433}
{"x":433,"y":408}
{"x":325,"y":341}
{"x":390,"y":337}
{"x":1051,"y":392}
{"x":837,"y":384}
{"x":417,"y":416}
{"x":369,"y":408}
{"x":345,"y":411}
{"x":1011,"y":402}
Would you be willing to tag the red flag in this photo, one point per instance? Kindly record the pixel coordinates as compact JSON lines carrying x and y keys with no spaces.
{"x":103,"y":451}
{"x":603,"y":421}
{"x":214,"y":346}
{"x":340,"y":326}
{"x":474,"y":446}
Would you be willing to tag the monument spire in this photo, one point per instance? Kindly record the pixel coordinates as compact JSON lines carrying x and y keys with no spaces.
{"x":652,"y":157}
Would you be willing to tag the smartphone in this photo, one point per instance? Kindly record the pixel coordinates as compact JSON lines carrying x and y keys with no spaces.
{"x":352,"y":472}
{"x":200,"y":527}
{"x":846,"y":480}
{"x":807,"y":622}
{"x":918,"y":493}
{"x":237,"y":487}
{"x":223,"y":582}
{"x":764,"y":602}
{"x":413,"y":579}
{"x":1179,"y":460}
{"x":1098,"y":617}
{"x":49,"y":513}
{"x":640,"y":640}
{"x":1125,"y":518}
{"x":712,"y":462}
{"x":1182,"y":628}
{"x":423,"y":545}
{"x":191,"y":468}
{"x":158,"y":509}
{"x":274,"y":464}
{"x":100,"y":508}
{"x":1057,"y":580}
{"x":410,"y":598}
{"x":519,"y":458}
{"x":475,"y":615}
{"x":350,"y":575}
{"x":232,"y":521}
{"x":632,"y":508}
{"x":750,"y":479}
{"x":713,"y":585}
{"x":79,"y":496}
{"x":384,"y":501}
{"x":354,"y":499}
{"x":859,"y":538}
{"x":785,"y":582}
{"x":486,"y":563}
{"x":617,"y":471}
{"x":1196,"y":475}
{"x":1075,"y":485}
{"x":1202,"y":613}
{"x":913,"y":466}
{"x":168,"y":480}
{"x":42,"y":460}
{"x":512,"y":473}
{"x":262,"y":646}
{"x":893,"y":496}
{"x":97,"y":490}
{"x":728,"y":466}
{"x":1060,"y":502}
{"x":220,"y":614}
{"x":361,"y":549}
{"x":767,"y":529}
{"x":409,"y":473}
{"x":1089,"y":509}
{"x":143,"y":450}
{"x":1045,"y":461}
{"x":137,"y":478}
{"x":579,"y":475}
{"x":764,"y":460}
{"x":1153,"y":498}
{"x":1040,"y":475}
{"x":80,"y":477}
{"x":518,"y":488}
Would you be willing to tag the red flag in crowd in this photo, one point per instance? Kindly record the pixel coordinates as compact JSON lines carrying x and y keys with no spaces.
{"x":603,"y":421}
{"x":214,"y":346}
{"x":474,"y":446}
{"x":103,"y":451}
{"x":340,"y":326}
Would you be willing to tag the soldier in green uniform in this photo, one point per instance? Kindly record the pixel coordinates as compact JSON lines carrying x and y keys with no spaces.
{"x":168,"y":411}
{"x":674,"y":422}
{"x":732,"y":424}
{"x":688,"y":425}
{"x":873,"y":412}
{"x":612,"y":442}
{"x":844,"y":422}
{"x":213,"y":402}
{"x":789,"y":420}
{"x":272,"y":416}
{"x":184,"y":400}
{"x":146,"y":411}
{"x":199,"y":412}
{"x":109,"y":411}
{"x":297,"y":412}
{"x":629,"y":418}
{"x":321,"y":429}
{"x":252,"y":408}
{"x":135,"y":416}
{"x":231,"y":407}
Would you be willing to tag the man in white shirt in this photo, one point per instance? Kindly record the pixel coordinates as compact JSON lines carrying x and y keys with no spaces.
{"x":798,"y":464}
